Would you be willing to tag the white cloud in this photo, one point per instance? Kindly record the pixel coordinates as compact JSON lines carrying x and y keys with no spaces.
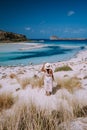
{"x":70,"y":13}
{"x":74,"y":31}
{"x":28,"y":28}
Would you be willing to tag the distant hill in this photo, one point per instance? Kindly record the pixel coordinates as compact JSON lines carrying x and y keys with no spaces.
{"x":11,"y":37}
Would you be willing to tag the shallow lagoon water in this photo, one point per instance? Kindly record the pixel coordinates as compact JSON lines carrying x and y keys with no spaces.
{"x":10,"y":54}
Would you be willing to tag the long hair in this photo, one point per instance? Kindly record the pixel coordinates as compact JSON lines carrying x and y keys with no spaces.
{"x":48,"y":70}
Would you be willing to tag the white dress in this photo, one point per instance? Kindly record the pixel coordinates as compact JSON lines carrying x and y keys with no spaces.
{"x":48,"y":82}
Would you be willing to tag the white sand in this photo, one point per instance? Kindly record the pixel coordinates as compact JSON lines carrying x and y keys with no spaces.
{"x":54,"y":102}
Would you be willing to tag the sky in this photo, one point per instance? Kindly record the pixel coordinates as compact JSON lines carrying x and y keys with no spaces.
{"x":40,"y":19}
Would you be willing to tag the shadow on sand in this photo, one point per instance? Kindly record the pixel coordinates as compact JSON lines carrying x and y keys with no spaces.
{"x":56,"y":88}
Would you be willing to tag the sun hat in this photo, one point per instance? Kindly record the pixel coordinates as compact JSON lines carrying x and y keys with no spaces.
{"x":47,"y":66}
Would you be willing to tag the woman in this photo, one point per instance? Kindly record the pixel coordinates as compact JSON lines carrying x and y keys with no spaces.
{"x":48,"y":78}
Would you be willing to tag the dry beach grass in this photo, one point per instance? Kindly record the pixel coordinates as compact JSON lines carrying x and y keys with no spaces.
{"x":30,"y":109}
{"x":6,"y":101}
{"x":29,"y":117}
{"x":69,"y":83}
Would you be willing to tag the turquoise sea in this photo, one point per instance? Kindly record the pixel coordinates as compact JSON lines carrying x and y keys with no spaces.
{"x":10,"y":54}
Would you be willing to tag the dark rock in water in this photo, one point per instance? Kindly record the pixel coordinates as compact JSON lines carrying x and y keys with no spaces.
{"x":53,"y":38}
{"x":82,"y":47}
{"x":67,"y":39}
{"x":11,"y":37}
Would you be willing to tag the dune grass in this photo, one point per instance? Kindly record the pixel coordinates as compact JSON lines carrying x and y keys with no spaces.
{"x":80,"y":112}
{"x":0,"y":86}
{"x":24,"y":82}
{"x":34,"y":81}
{"x":32,"y":118}
{"x":63,"y":68}
{"x":6,"y":101}
{"x":68,"y":83}
{"x":12,"y":75}
{"x":85,"y":77}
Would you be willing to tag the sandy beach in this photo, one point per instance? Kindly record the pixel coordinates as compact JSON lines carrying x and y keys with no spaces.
{"x":27,"y":46}
{"x":25,"y":84}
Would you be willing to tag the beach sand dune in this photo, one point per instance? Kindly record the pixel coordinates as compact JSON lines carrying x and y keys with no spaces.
{"x":25,"y":84}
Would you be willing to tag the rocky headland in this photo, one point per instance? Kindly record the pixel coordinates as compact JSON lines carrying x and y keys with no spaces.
{"x":11,"y":37}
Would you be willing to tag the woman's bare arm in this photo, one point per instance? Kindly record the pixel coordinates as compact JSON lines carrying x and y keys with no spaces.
{"x":43,"y":68}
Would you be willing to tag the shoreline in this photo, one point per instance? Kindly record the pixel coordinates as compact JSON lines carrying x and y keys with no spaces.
{"x":32,"y":45}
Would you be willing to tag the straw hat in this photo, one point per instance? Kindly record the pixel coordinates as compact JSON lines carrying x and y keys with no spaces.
{"x":47,"y":66}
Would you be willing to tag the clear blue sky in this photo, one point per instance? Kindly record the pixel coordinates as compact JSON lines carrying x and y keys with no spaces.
{"x":43,"y":18}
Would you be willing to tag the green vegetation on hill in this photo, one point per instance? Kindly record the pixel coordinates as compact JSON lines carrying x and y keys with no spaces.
{"x":11,"y":37}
